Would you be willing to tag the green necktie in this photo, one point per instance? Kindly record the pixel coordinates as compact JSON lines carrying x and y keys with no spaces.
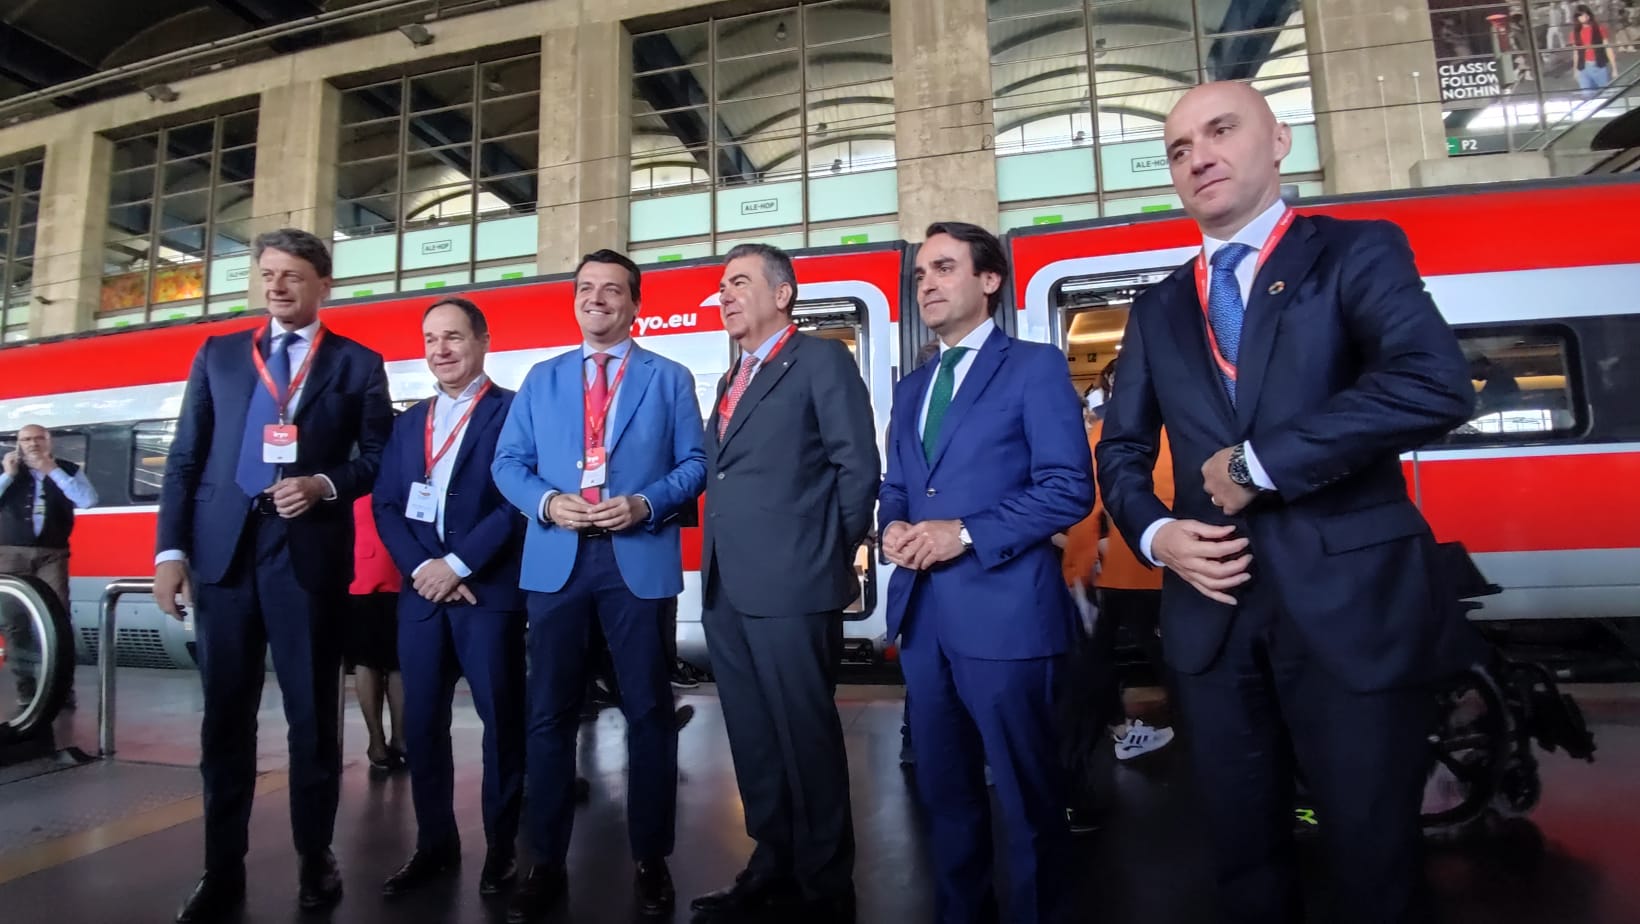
{"x":944,"y":384}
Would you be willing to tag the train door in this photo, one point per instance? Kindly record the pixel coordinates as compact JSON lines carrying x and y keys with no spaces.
{"x":845,"y":320}
{"x":1088,"y":317}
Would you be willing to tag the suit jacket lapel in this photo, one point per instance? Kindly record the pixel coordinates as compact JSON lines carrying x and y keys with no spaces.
{"x":639,"y":373}
{"x":570,"y":382}
{"x":243,"y":386}
{"x":1287,"y":265}
{"x":986,"y":363}
{"x":487,"y":408}
{"x":323,"y":366}
{"x":765,"y":379}
{"x":916,"y":388}
{"x":1184,"y":312}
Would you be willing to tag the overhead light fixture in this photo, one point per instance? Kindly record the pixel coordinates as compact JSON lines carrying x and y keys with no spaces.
{"x":780,"y":31}
{"x":161,"y":93}
{"x":417,"y":33}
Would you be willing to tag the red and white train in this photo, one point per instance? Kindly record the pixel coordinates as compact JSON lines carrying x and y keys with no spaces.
{"x":1541,"y":284}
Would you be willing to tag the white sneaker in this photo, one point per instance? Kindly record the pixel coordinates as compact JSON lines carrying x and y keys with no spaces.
{"x":1142,"y":739}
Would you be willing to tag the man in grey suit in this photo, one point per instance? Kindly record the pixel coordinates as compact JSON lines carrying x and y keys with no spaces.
{"x":792,"y":474}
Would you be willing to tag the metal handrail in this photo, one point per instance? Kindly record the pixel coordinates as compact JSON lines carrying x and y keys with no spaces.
{"x":106,"y":657}
{"x":1545,"y":138}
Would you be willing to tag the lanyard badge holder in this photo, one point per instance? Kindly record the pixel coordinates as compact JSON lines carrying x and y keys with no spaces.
{"x":422,"y":504}
{"x":279,"y":441}
{"x":1227,"y":367}
{"x":594,"y":470}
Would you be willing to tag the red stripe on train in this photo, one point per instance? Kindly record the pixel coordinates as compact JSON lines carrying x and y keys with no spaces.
{"x":1438,"y":228}
{"x":1534,"y":503}
{"x":1512,"y":504}
{"x":529,"y":316}
{"x":122,"y":545}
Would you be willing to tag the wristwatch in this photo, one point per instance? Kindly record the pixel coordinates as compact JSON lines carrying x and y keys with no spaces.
{"x":962,"y":534}
{"x":1239,"y":472}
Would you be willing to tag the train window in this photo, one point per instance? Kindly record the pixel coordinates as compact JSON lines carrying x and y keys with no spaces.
{"x":1526,"y":384}
{"x":150,"y":444}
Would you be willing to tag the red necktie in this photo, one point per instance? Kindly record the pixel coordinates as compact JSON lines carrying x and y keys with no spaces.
{"x":599,"y":392}
{"x":736,"y":389}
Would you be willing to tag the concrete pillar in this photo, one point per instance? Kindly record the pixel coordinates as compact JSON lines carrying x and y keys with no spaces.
{"x":297,"y":138}
{"x":1375,"y":119}
{"x":943,"y":136}
{"x":586,"y":143}
{"x":68,"y":259}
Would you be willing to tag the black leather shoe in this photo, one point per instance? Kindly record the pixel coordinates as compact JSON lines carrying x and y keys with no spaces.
{"x":215,"y":897}
{"x":321,"y":884}
{"x":543,"y":888}
{"x":655,"y":893}
{"x":424,"y":867}
{"x":750,"y":892}
{"x":500,"y":870}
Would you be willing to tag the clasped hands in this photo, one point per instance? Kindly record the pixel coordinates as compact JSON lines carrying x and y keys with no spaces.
{"x":435,"y":580}
{"x":1210,"y":558}
{"x":574,"y":512}
{"x":923,"y":545}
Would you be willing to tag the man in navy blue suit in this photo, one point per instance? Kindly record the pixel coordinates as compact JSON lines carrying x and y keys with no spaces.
{"x":602,"y":544}
{"x":281,"y":429}
{"x":1291,"y":363}
{"x":457,"y":542}
{"x":987,"y":460}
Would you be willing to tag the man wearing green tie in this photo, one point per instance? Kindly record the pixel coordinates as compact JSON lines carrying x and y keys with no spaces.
{"x":987,"y":460}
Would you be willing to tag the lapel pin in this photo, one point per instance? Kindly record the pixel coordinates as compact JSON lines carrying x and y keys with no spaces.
{"x":1276,"y":287}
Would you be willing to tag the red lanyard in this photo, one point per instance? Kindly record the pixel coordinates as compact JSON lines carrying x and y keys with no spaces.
{"x":433,"y":458}
{"x":595,"y":425}
{"x":1276,"y":233}
{"x":724,"y":401}
{"x":281,"y":402}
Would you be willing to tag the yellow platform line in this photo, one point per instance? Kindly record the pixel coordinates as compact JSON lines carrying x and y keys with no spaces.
{"x":29,"y":860}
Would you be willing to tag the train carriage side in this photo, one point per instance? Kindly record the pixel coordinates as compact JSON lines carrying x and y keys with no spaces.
{"x":110,"y":401}
{"x":1538,"y":486}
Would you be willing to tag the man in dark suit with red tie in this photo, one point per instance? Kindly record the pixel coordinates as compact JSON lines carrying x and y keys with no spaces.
{"x":792,"y":470}
{"x":281,"y":430}
{"x":1291,"y":362}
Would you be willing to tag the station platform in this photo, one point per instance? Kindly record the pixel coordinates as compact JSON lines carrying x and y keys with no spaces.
{"x":117,"y":841}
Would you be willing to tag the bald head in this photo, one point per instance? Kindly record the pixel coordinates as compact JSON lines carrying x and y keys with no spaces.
{"x":1224,"y":150}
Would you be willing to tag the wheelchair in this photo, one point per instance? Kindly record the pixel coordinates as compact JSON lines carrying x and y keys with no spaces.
{"x":1482,"y":768}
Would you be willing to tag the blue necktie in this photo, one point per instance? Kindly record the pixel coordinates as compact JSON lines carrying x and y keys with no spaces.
{"x":1225,"y":309}
{"x":254,"y":475}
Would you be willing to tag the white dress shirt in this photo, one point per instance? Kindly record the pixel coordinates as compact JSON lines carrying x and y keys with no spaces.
{"x":301,"y":340}
{"x":589,"y":368}
{"x":1254,"y":234}
{"x":447,"y":412}
{"x":77,"y":488}
{"x":976,"y":338}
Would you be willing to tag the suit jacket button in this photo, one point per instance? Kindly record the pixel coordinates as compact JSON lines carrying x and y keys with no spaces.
{"x":932,"y":492}
{"x":720,"y":475}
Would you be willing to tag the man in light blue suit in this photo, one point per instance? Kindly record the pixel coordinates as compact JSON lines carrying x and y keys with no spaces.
{"x":602,"y":497}
{"x":987,"y":460}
